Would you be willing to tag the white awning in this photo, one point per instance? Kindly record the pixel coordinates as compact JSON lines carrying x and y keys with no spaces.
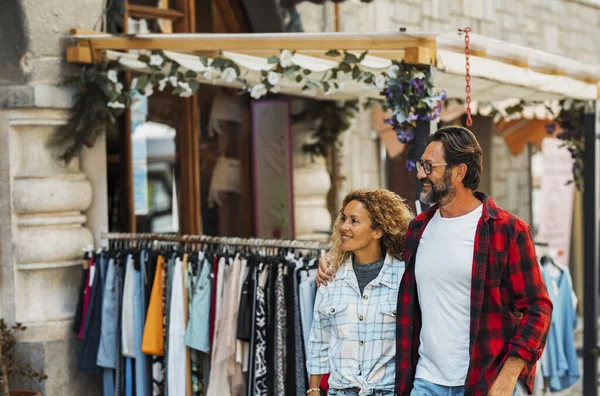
{"x":499,"y":70}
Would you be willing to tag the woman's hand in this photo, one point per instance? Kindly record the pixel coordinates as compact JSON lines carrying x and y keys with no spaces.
{"x":325,"y":273}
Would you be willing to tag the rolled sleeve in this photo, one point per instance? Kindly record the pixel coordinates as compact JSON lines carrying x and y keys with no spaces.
{"x":320,"y":334}
{"x":530,"y":297}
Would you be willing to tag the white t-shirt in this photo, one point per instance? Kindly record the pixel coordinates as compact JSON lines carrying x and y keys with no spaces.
{"x":443,"y":270}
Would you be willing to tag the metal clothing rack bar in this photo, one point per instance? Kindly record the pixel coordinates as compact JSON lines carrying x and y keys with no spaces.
{"x":215,"y":240}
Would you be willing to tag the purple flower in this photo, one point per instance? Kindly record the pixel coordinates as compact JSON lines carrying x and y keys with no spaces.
{"x":443,"y":94}
{"x":411,"y":165}
{"x":550,"y":127}
{"x":418,"y":85}
{"x":412,"y":117}
{"x":436,"y":112}
{"x":405,"y":135}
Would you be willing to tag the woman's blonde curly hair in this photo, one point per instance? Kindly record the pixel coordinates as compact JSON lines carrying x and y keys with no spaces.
{"x":388,"y":213}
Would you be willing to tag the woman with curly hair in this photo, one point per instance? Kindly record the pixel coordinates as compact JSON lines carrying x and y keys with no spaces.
{"x":353,"y":335}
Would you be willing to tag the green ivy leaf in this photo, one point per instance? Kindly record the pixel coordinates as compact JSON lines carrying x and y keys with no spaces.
{"x":326,"y":86}
{"x":362,"y":56}
{"x":142,"y":81}
{"x":306,"y":72}
{"x":273,"y":60}
{"x":264,"y":73}
{"x":144,"y":58}
{"x":345,"y":67}
{"x":336,"y":85}
{"x":177,"y":91}
{"x":311,"y":84}
{"x":350,"y":58}
{"x":191,"y":74}
{"x":289,"y":72}
{"x":333,"y":53}
{"x":204,"y":60}
{"x":298,"y":78}
{"x":218,"y":63}
{"x":194,"y":85}
{"x":356,"y":73}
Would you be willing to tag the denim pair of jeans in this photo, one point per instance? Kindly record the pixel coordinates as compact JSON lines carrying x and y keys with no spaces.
{"x":423,"y":387}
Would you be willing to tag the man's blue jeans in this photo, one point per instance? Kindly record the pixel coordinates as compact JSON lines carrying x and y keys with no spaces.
{"x":423,"y":387}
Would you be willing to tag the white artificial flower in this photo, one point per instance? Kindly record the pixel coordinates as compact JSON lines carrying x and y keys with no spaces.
{"x":187,"y":90}
{"x":229,"y":75}
{"x":116,"y":105}
{"x":380,"y":81}
{"x":274,"y":78}
{"x":118,"y":87}
{"x":148,"y":90}
{"x":156,"y":60}
{"x":112,"y":76}
{"x":258,"y":91}
{"x":285,"y":59}
{"x":134,"y":83}
{"x":392,"y":71}
{"x":162,"y":84}
{"x":173,"y":81}
{"x":145,"y":52}
{"x":211,"y":74}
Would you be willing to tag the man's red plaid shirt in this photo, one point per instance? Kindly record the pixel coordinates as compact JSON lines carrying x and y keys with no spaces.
{"x":506,"y":278}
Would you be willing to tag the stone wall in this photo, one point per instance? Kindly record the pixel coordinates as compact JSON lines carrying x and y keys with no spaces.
{"x":563,"y":27}
{"x":42,"y":201}
{"x":511,"y":179}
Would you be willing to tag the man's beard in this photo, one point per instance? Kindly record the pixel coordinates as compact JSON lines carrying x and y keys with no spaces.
{"x":440,"y":193}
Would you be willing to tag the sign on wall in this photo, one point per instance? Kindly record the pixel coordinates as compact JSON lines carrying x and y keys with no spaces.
{"x":556,"y":198}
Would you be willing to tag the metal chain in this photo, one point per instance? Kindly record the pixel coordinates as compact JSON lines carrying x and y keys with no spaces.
{"x":466,"y":31}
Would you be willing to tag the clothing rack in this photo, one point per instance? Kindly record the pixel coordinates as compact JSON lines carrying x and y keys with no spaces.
{"x":215,"y":240}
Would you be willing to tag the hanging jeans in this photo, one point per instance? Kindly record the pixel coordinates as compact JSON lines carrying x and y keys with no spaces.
{"x":142,"y":363}
{"x":107,"y":351}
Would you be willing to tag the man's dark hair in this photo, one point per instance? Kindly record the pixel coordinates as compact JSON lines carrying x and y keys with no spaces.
{"x":461,"y":147}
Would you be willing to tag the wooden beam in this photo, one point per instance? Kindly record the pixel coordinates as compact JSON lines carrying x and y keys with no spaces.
{"x":239,"y":42}
{"x":79,"y":54}
{"x":419,"y":56}
{"x":140,"y":11}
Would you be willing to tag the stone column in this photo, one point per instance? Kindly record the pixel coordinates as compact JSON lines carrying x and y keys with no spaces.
{"x":311,"y":185}
{"x":41,"y":269}
{"x":41,"y":200}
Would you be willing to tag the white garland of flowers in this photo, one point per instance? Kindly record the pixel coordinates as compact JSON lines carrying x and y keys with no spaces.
{"x":166,"y":71}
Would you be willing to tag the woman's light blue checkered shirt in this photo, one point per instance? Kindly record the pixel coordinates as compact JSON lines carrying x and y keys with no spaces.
{"x":353,"y":336}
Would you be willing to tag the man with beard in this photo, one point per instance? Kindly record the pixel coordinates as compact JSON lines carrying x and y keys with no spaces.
{"x":473,"y":311}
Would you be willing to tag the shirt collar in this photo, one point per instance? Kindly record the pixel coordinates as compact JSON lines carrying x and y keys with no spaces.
{"x":388,"y":276}
{"x":489,"y":210}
